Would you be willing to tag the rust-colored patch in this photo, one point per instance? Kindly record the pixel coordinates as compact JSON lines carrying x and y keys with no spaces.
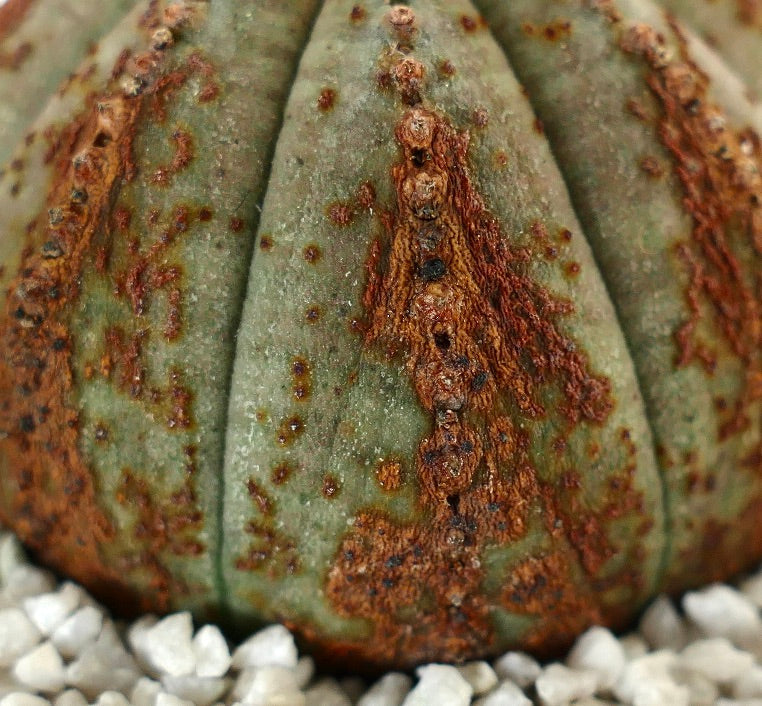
{"x":472,"y":24}
{"x":636,"y":107}
{"x":266,"y":243}
{"x":340,"y":213}
{"x":184,"y":152}
{"x":447,"y":293}
{"x":553,"y":31}
{"x":14,"y":59}
{"x":480,"y":117}
{"x":651,"y":166}
{"x":327,"y":99}
{"x":750,"y":12}
{"x":236,"y":224}
{"x":12,"y":14}
{"x":50,"y":496}
{"x":389,"y":474}
{"x":720,"y":171}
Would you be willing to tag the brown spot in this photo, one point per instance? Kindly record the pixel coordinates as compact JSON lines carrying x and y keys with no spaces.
{"x":446,"y":68}
{"x":266,"y":242}
{"x":14,"y":59}
{"x":471,"y":24}
{"x":330,"y":487}
{"x":635,"y":107}
{"x":501,"y":159}
{"x":572,"y":269}
{"x":289,"y":430}
{"x":261,"y":416}
{"x":480,"y":117}
{"x":357,"y":13}
{"x":312,"y":315}
{"x":261,"y":500}
{"x":651,"y":166}
{"x":538,"y":127}
{"x":281,"y":473}
{"x":327,"y":99}
{"x":389,"y":474}
{"x":101,"y":432}
{"x":565,"y":235}
{"x":340,"y":213}
{"x":166,"y":87}
{"x":750,"y":12}
{"x":236,"y":224}
{"x":208,"y":92}
{"x":312,"y":253}
{"x":301,"y":378}
{"x":205,"y":214}
{"x":462,"y":315}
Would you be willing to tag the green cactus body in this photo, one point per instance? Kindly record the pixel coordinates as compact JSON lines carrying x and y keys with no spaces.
{"x":426,"y":340}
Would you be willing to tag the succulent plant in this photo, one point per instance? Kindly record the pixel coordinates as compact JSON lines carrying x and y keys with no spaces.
{"x":426,"y":330}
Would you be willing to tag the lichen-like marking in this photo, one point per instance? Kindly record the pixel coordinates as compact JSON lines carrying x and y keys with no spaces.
{"x":479,"y":339}
{"x":720,"y":171}
{"x":50,"y":495}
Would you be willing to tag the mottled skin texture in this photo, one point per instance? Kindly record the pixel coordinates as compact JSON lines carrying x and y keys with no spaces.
{"x":312,"y":312}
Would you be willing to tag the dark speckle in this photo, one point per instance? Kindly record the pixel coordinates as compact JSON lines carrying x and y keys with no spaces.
{"x":266,"y":243}
{"x":357,"y":14}
{"x":330,"y":487}
{"x":433,"y":269}
{"x":312,"y":314}
{"x":236,"y":224}
{"x":312,"y":253}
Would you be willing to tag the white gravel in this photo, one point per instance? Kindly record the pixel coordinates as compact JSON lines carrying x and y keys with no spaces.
{"x":59,"y":647}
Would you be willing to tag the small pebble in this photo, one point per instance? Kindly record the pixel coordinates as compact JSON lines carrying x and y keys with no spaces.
{"x":522,"y":669}
{"x":722,"y":611}
{"x":439,"y":684}
{"x":112,"y":698}
{"x":267,"y":684}
{"x":144,"y":692}
{"x":70,"y":697}
{"x":326,"y":692}
{"x":21,"y":698}
{"x":211,"y":652}
{"x":597,"y":650}
{"x":18,"y":635}
{"x":273,"y":646}
{"x":479,"y":675}
{"x":389,"y":690}
{"x":168,"y":647}
{"x":662,"y":626}
{"x":654,"y":667}
{"x":716,"y":659}
{"x":163,"y":699}
{"x":201,"y":690}
{"x":77,"y":631}
{"x":304,"y":671}
{"x":749,"y":684}
{"x":558,"y":684}
{"x":42,"y":669}
{"x":506,"y":694}
{"x":49,"y":610}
